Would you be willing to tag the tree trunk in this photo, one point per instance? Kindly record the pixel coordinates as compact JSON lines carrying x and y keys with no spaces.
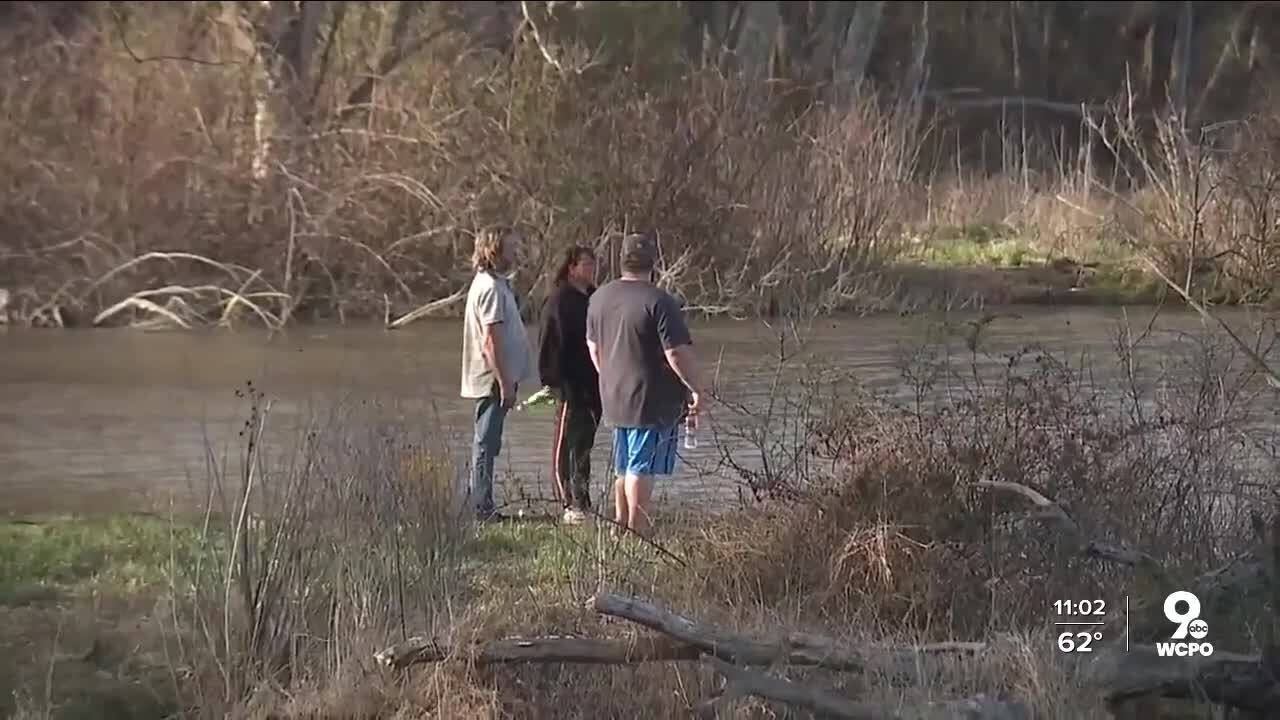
{"x":859,"y":43}
{"x":1237,"y":36}
{"x":1157,"y":56}
{"x":1183,"y":61}
{"x":1048,"y":79}
{"x":709,"y":32}
{"x":760,"y":26}
{"x":403,"y":45}
{"x":918,"y":72}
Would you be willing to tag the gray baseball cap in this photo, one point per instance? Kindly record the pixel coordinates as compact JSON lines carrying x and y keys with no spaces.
{"x":640,"y":249}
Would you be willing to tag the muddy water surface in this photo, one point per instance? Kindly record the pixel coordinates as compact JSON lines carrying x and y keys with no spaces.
{"x":120,"y":420}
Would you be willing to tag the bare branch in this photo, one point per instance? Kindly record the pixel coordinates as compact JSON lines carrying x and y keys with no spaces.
{"x":952,"y":98}
{"x":1273,"y":379}
{"x":427,"y":309}
{"x":1089,"y":547}
{"x":418,"y":650}
{"x":537,"y":38}
{"x":792,"y":648}
{"x":122,"y":34}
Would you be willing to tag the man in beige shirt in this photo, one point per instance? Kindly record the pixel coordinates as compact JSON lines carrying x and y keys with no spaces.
{"x":496,"y":357}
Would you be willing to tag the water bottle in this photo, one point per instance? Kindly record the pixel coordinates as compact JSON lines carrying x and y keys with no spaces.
{"x":691,"y":432}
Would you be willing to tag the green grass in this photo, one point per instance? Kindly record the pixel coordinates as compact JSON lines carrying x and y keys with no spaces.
{"x":532,"y":553}
{"x":78,"y":597}
{"x":56,"y":557}
{"x":997,"y":245}
{"x":75,"y":596}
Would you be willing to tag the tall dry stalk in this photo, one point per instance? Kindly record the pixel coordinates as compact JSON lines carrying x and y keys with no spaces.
{"x":351,"y":535}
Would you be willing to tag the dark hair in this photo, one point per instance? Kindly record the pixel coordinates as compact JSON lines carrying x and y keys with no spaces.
{"x":571,"y":256}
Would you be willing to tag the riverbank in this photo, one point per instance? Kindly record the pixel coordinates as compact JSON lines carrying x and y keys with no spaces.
{"x":908,"y":287}
{"x":944,"y":268}
{"x":87,"y":628}
{"x":907,"y":526}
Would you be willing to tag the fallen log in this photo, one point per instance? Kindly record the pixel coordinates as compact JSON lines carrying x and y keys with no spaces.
{"x":816,"y":700}
{"x":792,"y":648}
{"x":827,"y":704}
{"x":419,"y":650}
{"x":1238,"y":681}
{"x":1243,"y":682}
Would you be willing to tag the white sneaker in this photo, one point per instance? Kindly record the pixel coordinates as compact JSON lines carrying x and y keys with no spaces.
{"x":573,"y":516}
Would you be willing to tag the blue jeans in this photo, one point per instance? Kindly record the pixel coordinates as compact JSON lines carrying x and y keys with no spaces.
{"x":485,"y":447}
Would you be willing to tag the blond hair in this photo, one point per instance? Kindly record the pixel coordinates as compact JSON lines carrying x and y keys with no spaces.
{"x":487,"y":254}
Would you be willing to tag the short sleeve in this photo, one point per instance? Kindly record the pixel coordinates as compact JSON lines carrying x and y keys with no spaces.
{"x":593,"y":322}
{"x":489,"y":306}
{"x":672,"y":329}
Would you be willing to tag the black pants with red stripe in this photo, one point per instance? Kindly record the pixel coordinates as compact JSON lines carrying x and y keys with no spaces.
{"x":575,"y":436}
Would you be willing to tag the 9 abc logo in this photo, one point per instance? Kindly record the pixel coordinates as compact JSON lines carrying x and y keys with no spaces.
{"x":1189,"y":624}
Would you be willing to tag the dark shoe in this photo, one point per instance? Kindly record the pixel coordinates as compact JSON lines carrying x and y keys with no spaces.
{"x":492,"y":518}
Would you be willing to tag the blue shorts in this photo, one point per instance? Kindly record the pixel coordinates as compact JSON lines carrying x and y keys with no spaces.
{"x":645,"y":450}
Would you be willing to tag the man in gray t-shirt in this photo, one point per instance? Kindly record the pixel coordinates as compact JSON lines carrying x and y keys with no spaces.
{"x":639,"y":342}
{"x":496,"y":357}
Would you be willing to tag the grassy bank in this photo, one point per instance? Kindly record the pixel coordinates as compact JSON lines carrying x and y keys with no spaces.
{"x":103,"y":645}
{"x":78,"y":632}
{"x":872,"y":523}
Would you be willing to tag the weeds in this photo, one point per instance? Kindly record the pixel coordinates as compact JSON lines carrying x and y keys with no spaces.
{"x":152,"y":212}
{"x":862,"y":518}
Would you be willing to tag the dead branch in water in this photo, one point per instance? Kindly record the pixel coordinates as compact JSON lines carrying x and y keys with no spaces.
{"x":141,"y":304}
{"x":427,"y":309}
{"x":170,"y":257}
{"x":142,"y":300}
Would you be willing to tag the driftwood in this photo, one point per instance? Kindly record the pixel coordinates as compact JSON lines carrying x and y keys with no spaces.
{"x":744,"y":682}
{"x":828,"y":704}
{"x":1238,"y":681}
{"x":417,"y":650}
{"x":1243,"y":682}
{"x":792,"y":649}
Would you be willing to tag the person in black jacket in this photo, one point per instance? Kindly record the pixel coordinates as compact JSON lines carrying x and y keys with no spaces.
{"x":565,"y":366}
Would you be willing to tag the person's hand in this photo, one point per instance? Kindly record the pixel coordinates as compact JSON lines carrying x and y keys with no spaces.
{"x":695,"y":404}
{"x":508,"y":396}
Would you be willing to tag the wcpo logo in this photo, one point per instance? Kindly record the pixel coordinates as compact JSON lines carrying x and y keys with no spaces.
{"x":1183,"y":609}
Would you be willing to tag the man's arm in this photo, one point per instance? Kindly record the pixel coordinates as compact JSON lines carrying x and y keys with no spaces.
{"x":685,"y":364}
{"x":489,"y":310}
{"x":677,"y":345}
{"x":491,"y":349}
{"x":593,"y":332}
{"x":594,"y":352}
